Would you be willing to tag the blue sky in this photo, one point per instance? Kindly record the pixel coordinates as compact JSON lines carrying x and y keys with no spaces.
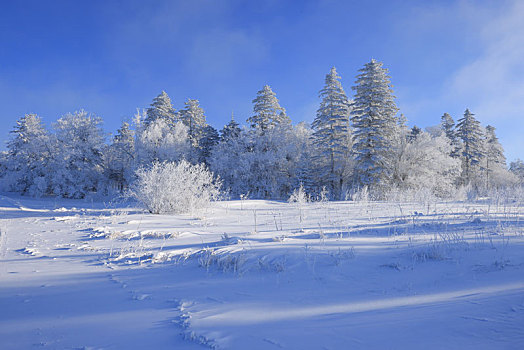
{"x":111,"y":57}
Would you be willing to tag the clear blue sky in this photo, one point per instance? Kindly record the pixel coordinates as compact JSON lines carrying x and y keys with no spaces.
{"x":111,"y":57}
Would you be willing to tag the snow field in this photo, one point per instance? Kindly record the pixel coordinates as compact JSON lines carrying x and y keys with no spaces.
{"x":262,"y":274}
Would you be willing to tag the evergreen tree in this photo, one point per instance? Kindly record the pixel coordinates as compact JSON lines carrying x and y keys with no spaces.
{"x":267,"y":111}
{"x":195,"y":120}
{"x":230,"y":131}
{"x":161,"y":108}
{"x":470,"y":132}
{"x":305,"y":173}
{"x":28,"y":155}
{"x":209,"y":140}
{"x":415,"y":131}
{"x":517,"y":168}
{"x":375,"y":127}
{"x":494,"y":154}
{"x":447,"y":125}
{"x":120,"y":156}
{"x":331,"y":133}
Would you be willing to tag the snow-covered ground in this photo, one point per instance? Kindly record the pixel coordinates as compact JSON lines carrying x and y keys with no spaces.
{"x":261,"y":275}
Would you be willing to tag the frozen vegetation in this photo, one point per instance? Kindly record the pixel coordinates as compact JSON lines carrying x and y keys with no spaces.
{"x":259,"y":274}
{"x":352,"y":146}
{"x":354,"y":232}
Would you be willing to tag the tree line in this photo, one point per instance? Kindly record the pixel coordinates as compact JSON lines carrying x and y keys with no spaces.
{"x":353,"y":146}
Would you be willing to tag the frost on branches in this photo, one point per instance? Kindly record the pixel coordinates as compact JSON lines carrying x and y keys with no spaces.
{"x":267,"y":111}
{"x":160,"y":141}
{"x":470,"y":132}
{"x":331,"y":135}
{"x":376,"y":157}
{"x":170,"y":187}
{"x":375,"y":128}
{"x":425,"y":164}
{"x":78,"y":160}
{"x":27,"y":164}
{"x":119,"y":158}
{"x":161,"y":108}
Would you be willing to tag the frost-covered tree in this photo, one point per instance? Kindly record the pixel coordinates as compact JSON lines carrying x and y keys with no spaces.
{"x":375,"y":127}
{"x":230,"y":131}
{"x":193,"y":117}
{"x":3,"y":170}
{"x":413,"y":134}
{"x":161,"y":108}
{"x":425,"y":164}
{"x":27,"y":164}
{"x":229,"y":160}
{"x":470,"y":132}
{"x":447,"y":124}
{"x":263,"y":165}
{"x":517,"y":168}
{"x":119,"y":157}
{"x":305,"y":172}
{"x":209,"y":139}
{"x":331,"y":134}
{"x":494,"y":161}
{"x":78,"y":160}
{"x":159,"y":141}
{"x":267,"y":111}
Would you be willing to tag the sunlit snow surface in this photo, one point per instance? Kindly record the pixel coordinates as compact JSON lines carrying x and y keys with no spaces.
{"x":262,"y":275}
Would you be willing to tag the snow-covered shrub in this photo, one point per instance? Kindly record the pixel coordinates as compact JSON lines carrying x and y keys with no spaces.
{"x":299,"y":196}
{"x":420,"y":195}
{"x":175,"y":187}
{"x":361,"y":195}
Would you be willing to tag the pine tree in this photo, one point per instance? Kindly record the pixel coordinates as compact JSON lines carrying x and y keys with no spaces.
{"x":494,"y":154}
{"x":230,"y":131}
{"x":209,"y":140}
{"x":375,"y":127}
{"x":517,"y":168}
{"x":415,"y":131}
{"x":447,"y":125}
{"x":195,"y":120}
{"x":161,"y":108}
{"x":119,"y":157}
{"x":331,"y":132}
{"x":267,"y":111}
{"x":470,"y":132}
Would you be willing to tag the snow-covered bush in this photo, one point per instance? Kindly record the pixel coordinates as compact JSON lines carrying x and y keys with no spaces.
{"x":361,"y":195}
{"x":299,"y":196}
{"x":175,"y":187}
